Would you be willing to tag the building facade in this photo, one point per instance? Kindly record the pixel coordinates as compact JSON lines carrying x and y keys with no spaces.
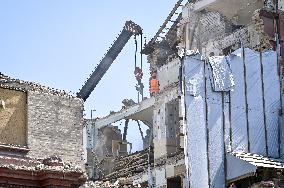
{"x":41,"y":136}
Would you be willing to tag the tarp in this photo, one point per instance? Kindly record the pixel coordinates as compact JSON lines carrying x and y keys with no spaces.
{"x":243,"y":164}
{"x":232,"y":105}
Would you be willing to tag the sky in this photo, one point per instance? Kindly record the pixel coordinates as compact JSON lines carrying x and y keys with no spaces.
{"x":58,"y":43}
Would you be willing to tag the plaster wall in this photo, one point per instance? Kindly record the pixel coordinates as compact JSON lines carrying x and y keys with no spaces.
{"x":13,"y":115}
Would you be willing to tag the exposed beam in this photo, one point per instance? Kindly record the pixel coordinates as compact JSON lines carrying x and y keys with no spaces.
{"x":146,"y":104}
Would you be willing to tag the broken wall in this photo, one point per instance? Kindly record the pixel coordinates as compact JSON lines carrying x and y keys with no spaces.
{"x":242,"y":119}
{"x":166,"y":123}
{"x":55,"y":125}
{"x":216,"y":26}
{"x":196,"y":29}
{"x":168,"y":75}
{"x":169,"y":168}
{"x":105,"y":142}
{"x":235,"y":10}
{"x":13,"y":115}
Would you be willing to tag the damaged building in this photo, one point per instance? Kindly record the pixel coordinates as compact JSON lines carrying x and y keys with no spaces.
{"x":215,"y":119}
{"x":40,"y":136}
{"x":214,"y":115}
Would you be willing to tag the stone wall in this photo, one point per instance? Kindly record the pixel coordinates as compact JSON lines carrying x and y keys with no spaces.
{"x":55,"y":126}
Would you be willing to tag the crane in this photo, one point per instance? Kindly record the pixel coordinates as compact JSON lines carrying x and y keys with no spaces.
{"x":129,"y":29}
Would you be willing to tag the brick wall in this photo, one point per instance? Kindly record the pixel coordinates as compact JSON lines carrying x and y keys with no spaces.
{"x":55,"y":125}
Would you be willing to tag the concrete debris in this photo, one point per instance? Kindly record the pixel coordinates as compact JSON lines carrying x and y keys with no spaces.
{"x":170,"y":159}
{"x":35,"y":165}
{"x":184,"y":52}
{"x":120,"y":183}
{"x":130,"y":165}
{"x":128,"y":102}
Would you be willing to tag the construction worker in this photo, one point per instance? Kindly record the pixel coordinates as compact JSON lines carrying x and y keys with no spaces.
{"x":154,"y":83}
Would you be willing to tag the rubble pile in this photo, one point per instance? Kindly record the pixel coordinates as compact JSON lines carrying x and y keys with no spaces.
{"x":120,"y":183}
{"x":30,"y":164}
{"x":170,"y":159}
{"x":130,"y":165}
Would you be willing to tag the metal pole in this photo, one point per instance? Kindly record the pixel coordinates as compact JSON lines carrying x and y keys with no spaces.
{"x":92,"y":113}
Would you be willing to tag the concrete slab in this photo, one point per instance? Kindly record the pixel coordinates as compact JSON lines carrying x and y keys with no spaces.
{"x":142,"y":111}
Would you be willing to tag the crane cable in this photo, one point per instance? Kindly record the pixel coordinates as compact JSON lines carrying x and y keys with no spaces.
{"x":135,"y":57}
{"x":141,"y":48}
{"x":140,"y":130}
{"x":141,"y":58}
{"x":138,"y":70}
{"x":135,"y":61}
{"x":136,"y":49}
{"x":125,"y":129}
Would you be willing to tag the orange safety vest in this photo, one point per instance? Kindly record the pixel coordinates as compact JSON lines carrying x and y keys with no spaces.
{"x":154,"y":86}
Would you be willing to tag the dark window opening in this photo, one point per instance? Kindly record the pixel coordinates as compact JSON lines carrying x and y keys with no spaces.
{"x":174,"y":182}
